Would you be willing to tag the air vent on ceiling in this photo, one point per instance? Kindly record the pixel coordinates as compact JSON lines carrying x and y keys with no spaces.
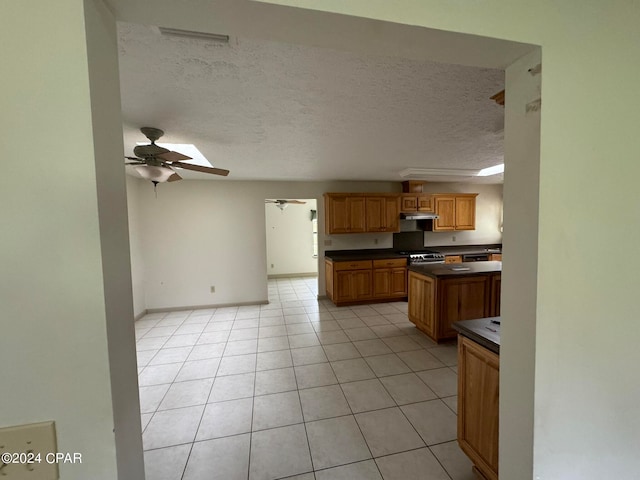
{"x":214,"y":37}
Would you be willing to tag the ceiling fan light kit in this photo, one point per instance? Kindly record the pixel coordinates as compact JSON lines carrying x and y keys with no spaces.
{"x":157,"y":164}
{"x":153,"y":173}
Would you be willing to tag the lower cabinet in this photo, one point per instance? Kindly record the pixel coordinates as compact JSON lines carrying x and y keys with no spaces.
{"x":436,"y":303}
{"x":366,"y":280}
{"x":421,"y":308}
{"x":478,"y":394}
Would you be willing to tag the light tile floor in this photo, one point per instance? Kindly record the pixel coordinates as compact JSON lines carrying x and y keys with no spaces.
{"x":297,"y":389}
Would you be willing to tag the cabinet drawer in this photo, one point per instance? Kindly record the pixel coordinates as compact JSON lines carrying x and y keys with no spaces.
{"x":356,"y":265}
{"x":390,"y":263}
{"x":453,"y":259}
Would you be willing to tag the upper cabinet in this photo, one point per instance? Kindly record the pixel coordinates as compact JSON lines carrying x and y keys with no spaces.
{"x":361,"y":213}
{"x":344,"y":213}
{"x":382,"y":213}
{"x":455,"y":211}
{"x":416,"y":202}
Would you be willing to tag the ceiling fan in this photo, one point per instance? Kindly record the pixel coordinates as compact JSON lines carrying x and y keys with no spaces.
{"x":158,"y":164}
{"x":282,"y":204}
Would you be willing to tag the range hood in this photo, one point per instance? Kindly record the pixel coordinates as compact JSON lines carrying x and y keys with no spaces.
{"x":418,"y":216}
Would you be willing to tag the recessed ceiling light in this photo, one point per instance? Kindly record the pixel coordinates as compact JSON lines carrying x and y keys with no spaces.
{"x":496,"y":169}
{"x":187,"y":149}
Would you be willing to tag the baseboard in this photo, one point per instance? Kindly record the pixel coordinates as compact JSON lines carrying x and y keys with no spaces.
{"x":204,"y":307}
{"x":292,"y":275}
{"x":322,"y":297}
{"x":140,"y":315}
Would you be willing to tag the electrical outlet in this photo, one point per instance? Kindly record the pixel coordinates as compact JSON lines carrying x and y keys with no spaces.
{"x":213,"y":289}
{"x":453,"y":239}
{"x":375,"y":241}
{"x":327,"y":242}
{"x":29,"y":452}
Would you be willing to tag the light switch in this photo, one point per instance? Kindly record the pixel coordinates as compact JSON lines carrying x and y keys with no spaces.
{"x":26,"y":448}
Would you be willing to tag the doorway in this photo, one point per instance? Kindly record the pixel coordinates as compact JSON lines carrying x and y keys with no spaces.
{"x":292,"y":237}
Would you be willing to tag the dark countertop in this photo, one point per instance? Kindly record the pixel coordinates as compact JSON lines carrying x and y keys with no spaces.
{"x":439,"y":270}
{"x":481,"y":331}
{"x":467,"y":249}
{"x":354,"y":255}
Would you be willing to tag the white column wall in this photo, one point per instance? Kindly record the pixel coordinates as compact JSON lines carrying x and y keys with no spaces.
{"x":60,"y":305}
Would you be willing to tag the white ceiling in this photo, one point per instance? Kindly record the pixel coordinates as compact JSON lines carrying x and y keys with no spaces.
{"x":268,"y":110}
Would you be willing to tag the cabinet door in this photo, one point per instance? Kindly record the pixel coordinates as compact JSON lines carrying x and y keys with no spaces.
{"x":464,"y":298}
{"x":361,"y":282}
{"x":425,"y":203}
{"x":344,"y":214}
{"x":453,"y":259}
{"x":357,"y":220}
{"x":409,"y":203}
{"x":382,"y":282}
{"x":343,"y":286}
{"x":478,"y":396}
{"x":465,"y":212}
{"x":398,"y":278}
{"x":445,"y":209}
{"x":392,"y":214}
{"x":375,"y":208}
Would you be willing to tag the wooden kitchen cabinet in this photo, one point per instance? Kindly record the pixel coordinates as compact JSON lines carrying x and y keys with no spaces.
{"x":453,"y":259}
{"x":362,"y":281}
{"x":464,"y":298}
{"x":414,"y":202}
{"x":390,"y":278}
{"x":455,"y":212}
{"x":344,"y":213}
{"x":361,"y":213}
{"x":436,"y":303}
{"x":495,"y":257}
{"x":422,"y":302}
{"x":478,"y":396}
{"x":382,"y":213}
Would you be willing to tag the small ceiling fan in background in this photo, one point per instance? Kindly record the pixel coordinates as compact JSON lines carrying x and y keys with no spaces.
{"x":158,"y":164}
{"x":282,"y":204}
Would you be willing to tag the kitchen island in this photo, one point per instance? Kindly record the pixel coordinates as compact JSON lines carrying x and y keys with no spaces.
{"x":478,"y":393}
{"x":440,"y":295}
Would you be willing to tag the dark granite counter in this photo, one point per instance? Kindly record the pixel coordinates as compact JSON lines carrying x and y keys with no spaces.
{"x":354,"y":255}
{"x":467,"y":249}
{"x":457,"y":269}
{"x":483,"y":331}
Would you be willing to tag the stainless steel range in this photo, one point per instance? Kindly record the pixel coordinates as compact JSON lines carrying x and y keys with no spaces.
{"x":418,"y":257}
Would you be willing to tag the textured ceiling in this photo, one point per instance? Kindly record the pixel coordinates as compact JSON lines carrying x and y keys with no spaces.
{"x":275,"y":111}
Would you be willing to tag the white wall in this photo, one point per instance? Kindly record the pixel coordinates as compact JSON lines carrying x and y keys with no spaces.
{"x":289,"y":237}
{"x":65,"y":291}
{"x":488,"y":215}
{"x":587,"y":397}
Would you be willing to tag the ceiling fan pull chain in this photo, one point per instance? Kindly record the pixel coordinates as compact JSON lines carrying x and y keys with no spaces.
{"x":155,"y":188}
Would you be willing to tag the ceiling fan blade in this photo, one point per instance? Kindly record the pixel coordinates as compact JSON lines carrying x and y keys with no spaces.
{"x":171,"y":156}
{"x":270,"y":201}
{"x":198,"y":168}
{"x":174,"y":178}
{"x":134,"y":163}
{"x":135,"y":158}
{"x":296,"y":201}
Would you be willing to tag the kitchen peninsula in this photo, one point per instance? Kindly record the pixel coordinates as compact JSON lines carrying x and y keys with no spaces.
{"x":440,"y":295}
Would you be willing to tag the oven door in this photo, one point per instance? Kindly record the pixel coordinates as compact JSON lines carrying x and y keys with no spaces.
{"x":475,"y":257}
